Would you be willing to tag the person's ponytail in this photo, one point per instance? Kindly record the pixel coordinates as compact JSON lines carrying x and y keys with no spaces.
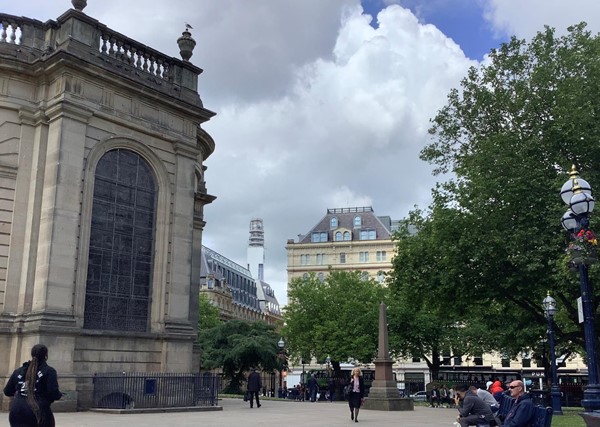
{"x":39,"y":353}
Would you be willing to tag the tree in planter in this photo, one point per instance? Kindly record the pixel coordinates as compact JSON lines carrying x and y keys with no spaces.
{"x":236,"y":346}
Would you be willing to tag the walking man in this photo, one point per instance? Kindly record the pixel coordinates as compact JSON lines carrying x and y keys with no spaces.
{"x":254,"y":385}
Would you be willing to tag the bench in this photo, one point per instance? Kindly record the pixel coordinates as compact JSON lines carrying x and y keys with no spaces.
{"x":542,"y":416}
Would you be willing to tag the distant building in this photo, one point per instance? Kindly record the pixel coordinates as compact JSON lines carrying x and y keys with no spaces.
{"x":238,"y":292}
{"x":347,"y":239}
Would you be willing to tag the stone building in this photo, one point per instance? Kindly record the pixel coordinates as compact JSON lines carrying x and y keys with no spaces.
{"x":101,"y":200}
{"x":239,"y":292}
{"x":350,"y":239}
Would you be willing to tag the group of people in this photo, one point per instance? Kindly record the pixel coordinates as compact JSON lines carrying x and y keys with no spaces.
{"x":476,"y":405}
{"x":441,"y":397}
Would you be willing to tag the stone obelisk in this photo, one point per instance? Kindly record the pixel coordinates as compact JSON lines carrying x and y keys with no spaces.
{"x":384,"y":395}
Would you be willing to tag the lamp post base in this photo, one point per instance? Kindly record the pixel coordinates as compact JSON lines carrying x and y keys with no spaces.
{"x":555,"y":399}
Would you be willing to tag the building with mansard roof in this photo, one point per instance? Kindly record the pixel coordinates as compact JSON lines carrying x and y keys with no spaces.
{"x":344,"y":239}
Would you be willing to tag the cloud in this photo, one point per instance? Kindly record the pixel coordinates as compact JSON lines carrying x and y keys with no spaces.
{"x":525,"y":18}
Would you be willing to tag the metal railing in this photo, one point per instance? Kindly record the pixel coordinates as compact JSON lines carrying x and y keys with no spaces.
{"x":135,"y":390}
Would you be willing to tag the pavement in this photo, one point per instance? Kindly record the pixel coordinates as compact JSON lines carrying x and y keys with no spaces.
{"x":287,"y":413}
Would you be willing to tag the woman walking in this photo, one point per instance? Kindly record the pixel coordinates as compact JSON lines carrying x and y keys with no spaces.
{"x":356,"y":394}
{"x":34,"y":387}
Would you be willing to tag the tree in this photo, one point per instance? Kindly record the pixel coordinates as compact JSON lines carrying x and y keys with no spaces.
{"x":509,"y":136}
{"x":337,"y":317}
{"x":209,"y":314}
{"x":236,"y":346}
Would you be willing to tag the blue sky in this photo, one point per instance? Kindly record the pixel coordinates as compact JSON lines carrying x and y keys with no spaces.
{"x":461,"y":20}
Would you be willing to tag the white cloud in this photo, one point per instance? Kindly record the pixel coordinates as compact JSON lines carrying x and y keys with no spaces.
{"x":525,"y":18}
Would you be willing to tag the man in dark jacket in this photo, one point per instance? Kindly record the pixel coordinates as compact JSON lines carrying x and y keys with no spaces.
{"x":471,"y":408}
{"x":523,"y":411}
{"x":254,"y":385}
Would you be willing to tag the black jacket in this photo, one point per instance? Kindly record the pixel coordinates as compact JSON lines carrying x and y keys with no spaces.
{"x":522,"y":413}
{"x":254,"y":382}
{"x":46,"y":391}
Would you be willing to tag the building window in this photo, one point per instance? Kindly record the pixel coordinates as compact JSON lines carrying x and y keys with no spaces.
{"x":478,"y":360}
{"x":446,"y":359}
{"x":364,"y":275}
{"x":321,"y":259}
{"x":381,"y":256}
{"x":342,"y":257}
{"x":346,"y":236}
{"x":338,"y":236}
{"x":381,"y":277}
{"x":333,"y":223}
{"x":305,"y":259}
{"x":363,"y":257}
{"x":120,"y":264}
{"x":367,"y":234}
{"x":305,"y":276}
{"x":526,"y":363}
{"x":457,"y":360}
{"x":416,"y":360}
{"x":505,"y":362}
{"x":321,"y":277}
{"x":357,"y":222}
{"x":319,"y":237}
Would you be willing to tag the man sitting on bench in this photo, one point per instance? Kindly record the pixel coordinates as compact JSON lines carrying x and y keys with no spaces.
{"x":523,"y":411}
{"x":471,"y":409}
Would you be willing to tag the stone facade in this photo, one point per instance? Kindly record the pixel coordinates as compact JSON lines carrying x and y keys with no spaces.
{"x":72,"y":91}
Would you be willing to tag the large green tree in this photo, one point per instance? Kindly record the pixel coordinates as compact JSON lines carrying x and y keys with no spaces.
{"x":337,"y":317}
{"x":236,"y":346}
{"x":509,"y":136}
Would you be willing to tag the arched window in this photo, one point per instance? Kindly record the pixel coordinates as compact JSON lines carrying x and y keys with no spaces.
{"x":321,"y":277}
{"x":118,"y":284}
{"x":357,"y":222}
{"x":305,"y":276}
{"x":346,"y":235}
{"x":338,"y":236}
{"x":333,"y":223}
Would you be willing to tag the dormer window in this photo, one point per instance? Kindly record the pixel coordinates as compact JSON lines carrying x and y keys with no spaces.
{"x":368,"y":234}
{"x":346,"y":236}
{"x":319,"y":237}
{"x":357,"y":222}
{"x":333,"y":223}
{"x":338,"y":236}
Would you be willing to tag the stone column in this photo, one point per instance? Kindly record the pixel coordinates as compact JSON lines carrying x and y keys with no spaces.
{"x":384,"y":395}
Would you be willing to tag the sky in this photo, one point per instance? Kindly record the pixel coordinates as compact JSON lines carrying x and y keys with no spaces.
{"x":320,"y":103}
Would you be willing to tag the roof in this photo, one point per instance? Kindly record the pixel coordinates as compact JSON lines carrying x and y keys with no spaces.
{"x":345,"y":220}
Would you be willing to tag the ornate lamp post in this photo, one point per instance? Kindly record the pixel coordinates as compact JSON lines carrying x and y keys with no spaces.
{"x":281,"y":345}
{"x":577,"y":193}
{"x":550,"y":309}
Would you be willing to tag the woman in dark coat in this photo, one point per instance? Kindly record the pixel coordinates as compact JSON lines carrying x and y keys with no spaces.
{"x":33,"y":409}
{"x":356,"y":393}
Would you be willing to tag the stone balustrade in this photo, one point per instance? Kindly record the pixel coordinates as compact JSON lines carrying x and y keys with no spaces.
{"x":112,"y":49}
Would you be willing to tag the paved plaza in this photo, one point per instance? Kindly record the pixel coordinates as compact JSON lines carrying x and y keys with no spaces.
{"x":237,"y":413}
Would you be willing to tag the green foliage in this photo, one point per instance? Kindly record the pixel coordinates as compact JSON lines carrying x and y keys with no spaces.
{"x":236,"y":346}
{"x":337,"y":317}
{"x":209,"y":314}
{"x":491,"y":245}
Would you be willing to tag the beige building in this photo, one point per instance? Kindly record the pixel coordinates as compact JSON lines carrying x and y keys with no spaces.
{"x":101,"y":201}
{"x":351,"y":239}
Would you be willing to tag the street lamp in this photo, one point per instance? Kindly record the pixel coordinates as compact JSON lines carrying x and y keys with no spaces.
{"x":281,"y":345}
{"x":577,"y":193}
{"x":549,"y":305}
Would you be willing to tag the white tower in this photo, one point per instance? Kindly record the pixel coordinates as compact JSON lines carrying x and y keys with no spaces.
{"x":256,"y":249}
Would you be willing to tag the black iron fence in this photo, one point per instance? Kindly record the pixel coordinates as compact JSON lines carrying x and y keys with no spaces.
{"x":130,"y":390}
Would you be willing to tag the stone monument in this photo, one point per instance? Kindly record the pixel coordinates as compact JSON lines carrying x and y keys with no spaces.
{"x":384,"y":395}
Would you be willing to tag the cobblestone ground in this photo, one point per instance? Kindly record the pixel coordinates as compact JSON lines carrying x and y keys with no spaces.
{"x":271,"y":413}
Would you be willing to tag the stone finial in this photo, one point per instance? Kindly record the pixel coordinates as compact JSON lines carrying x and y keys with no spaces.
{"x":186,"y":43}
{"x":79,"y":4}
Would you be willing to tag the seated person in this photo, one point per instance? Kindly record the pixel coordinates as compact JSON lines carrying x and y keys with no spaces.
{"x":523,"y":412}
{"x":471,"y":409}
{"x":487,"y":397}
